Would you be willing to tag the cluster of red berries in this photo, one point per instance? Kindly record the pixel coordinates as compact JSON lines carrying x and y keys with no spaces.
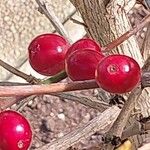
{"x":83,"y":60}
{"x":48,"y":55}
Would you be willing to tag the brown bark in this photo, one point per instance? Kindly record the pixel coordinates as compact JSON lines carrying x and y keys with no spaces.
{"x":94,"y":16}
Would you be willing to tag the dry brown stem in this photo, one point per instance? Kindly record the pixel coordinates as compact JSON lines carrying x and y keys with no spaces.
{"x":121,"y":39}
{"x":87,"y":101}
{"x":15,"y":71}
{"x":118,"y":126}
{"x":25,"y":90}
{"x":7,"y":91}
{"x":46,"y":9}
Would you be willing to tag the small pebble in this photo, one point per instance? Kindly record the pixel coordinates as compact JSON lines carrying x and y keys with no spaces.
{"x":39,"y":105}
{"x":30,"y":103}
{"x":44,"y":108}
{"x":131,"y":12}
{"x":37,"y":144}
{"x":145,"y":29}
{"x":61,"y":116}
{"x":50,"y":124}
{"x":142,"y":35}
{"x":60,"y":134}
{"x":132,"y":20}
{"x":95,"y":92}
{"x":60,"y":110}
{"x":52,"y":114}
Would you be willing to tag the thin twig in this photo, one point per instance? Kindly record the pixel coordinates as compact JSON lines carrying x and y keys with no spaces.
{"x":46,"y":9}
{"x":129,"y":105}
{"x":6,"y":102}
{"x":126,"y":35}
{"x":78,"y":22}
{"x":28,"y":78}
{"x":22,"y":59}
{"x":96,"y":104}
{"x":23,"y":103}
{"x":25,"y":90}
{"x":136,"y":128}
{"x":118,"y":126}
{"x":69,"y":16}
{"x":12,"y":83}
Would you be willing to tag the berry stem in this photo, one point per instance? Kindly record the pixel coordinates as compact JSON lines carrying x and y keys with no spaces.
{"x":28,"y":78}
{"x":56,"y":78}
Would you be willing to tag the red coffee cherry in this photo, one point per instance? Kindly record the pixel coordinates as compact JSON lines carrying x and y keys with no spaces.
{"x":47,"y":53}
{"x":81,"y":64}
{"x":85,"y":43}
{"x":15,"y":131}
{"x":118,"y":74}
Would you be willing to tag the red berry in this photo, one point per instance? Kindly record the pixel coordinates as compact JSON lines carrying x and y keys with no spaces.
{"x":118,"y":74}
{"x":81,"y":64}
{"x":85,"y":43}
{"x":15,"y":131}
{"x":47,"y":53}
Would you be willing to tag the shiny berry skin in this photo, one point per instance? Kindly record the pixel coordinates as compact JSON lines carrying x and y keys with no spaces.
{"x":85,"y":43}
{"x":15,"y":131}
{"x":81,"y":64}
{"x":47,"y":53}
{"x":118,"y":74}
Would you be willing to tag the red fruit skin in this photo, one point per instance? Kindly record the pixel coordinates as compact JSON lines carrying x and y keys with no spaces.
{"x":47,"y":53}
{"x":118,"y":74}
{"x":85,"y":43}
{"x":15,"y":131}
{"x":81,"y":64}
